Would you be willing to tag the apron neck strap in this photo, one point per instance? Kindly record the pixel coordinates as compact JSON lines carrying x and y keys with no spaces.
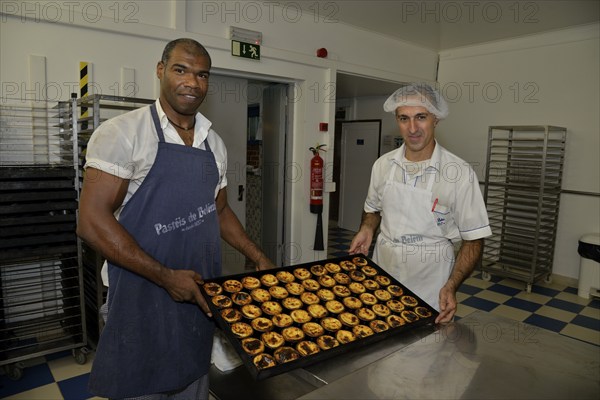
{"x":159,"y":131}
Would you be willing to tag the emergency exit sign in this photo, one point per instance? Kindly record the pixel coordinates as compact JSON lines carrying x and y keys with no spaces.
{"x":245,"y":50}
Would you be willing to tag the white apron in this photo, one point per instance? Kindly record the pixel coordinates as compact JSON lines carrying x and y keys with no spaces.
{"x":412,"y":246}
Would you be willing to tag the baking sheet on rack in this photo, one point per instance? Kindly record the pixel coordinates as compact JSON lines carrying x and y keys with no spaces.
{"x":377,"y":283}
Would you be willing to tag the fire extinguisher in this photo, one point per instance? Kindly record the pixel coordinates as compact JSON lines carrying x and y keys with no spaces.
{"x":316,"y":193}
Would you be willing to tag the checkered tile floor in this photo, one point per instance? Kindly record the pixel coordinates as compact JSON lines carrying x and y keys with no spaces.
{"x":554,"y":306}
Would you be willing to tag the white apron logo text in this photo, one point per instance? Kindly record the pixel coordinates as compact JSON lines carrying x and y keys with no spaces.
{"x":194,"y":219}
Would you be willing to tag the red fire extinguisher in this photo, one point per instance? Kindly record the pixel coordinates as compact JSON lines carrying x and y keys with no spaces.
{"x":316,"y":192}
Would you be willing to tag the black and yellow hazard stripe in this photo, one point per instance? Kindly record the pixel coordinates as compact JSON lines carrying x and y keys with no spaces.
{"x":83,"y":90}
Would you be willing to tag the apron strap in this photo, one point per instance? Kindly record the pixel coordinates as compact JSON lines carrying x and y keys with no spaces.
{"x":159,"y":131}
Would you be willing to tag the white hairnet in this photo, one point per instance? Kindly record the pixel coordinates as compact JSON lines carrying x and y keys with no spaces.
{"x":418,"y":94}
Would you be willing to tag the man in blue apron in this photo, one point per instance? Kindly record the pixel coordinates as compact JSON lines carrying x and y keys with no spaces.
{"x":154,"y":204}
{"x":423,"y":199}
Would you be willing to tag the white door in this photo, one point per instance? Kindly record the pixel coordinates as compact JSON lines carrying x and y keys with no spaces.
{"x":273,"y":170}
{"x":226,"y":106}
{"x":360,"y":149}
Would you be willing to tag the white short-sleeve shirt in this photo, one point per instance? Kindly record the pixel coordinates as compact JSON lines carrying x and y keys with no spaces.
{"x":126,"y":146}
{"x":456,"y":187}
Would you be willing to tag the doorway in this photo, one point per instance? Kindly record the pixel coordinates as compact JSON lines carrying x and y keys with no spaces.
{"x":252,"y":119}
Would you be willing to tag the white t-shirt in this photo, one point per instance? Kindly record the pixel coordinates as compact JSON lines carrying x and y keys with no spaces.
{"x":456,"y":187}
{"x":126,"y":146}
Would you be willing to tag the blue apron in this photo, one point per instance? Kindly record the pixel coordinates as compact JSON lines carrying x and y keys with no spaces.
{"x":152,"y":344}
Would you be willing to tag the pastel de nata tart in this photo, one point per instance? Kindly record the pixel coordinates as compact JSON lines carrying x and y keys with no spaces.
{"x":300,"y":316}
{"x":292,"y":303}
{"x":325,"y":294}
{"x":292,"y":334}
{"x":409,"y":316}
{"x":272,"y":339}
{"x":357,"y":288}
{"x":395,"y":305}
{"x":371,"y":284}
{"x":395,"y":290}
{"x":317,"y":311}
{"x":357,"y":275}
{"x":327,"y":281}
{"x":359,"y":261}
{"x":368,"y":270}
{"x":381,"y":310}
{"x":253,"y":346}
{"x":334,"y":306}
{"x":343,"y":336}
{"x":318,"y":270}
{"x":395,"y":321}
{"x":352,"y":303}
{"x":312,"y":329}
{"x":295,"y":288}
{"x":264,"y":361}
{"x":333,"y":268}
{"x":331,"y":324}
{"x":250,"y":282}
{"x":286,"y":354}
{"x":262,"y":324}
{"x":212,"y":288}
{"x":269,"y":280}
{"x":327,"y":342}
{"x":282,"y":320}
{"x":221,"y":301}
{"x":232,"y":285}
{"x":285,"y":276}
{"x":341,"y":278}
{"x":347,"y":265}
{"x":271,"y":307}
{"x":278,"y":292}
{"x":259,"y":295}
{"x":231,"y":315}
{"x":311,"y":284}
{"x":361,"y":331}
{"x":382,"y":280}
{"x":383,"y":295}
{"x":241,"y":329}
{"x":306,"y":348}
{"x":365,"y":314}
{"x":341,"y":291}
{"x":348,"y":319}
{"x":241,"y":298}
{"x":251,"y":311}
{"x":302,"y":273}
{"x":309,"y":298}
{"x":378,"y":326}
{"x":409,"y":301}
{"x":422,"y":312}
{"x":368,"y":299}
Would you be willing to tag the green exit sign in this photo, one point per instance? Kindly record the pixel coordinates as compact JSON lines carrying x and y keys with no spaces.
{"x":245,"y":50}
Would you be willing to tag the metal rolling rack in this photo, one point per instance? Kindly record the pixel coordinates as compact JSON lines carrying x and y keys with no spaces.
{"x":99,"y":108}
{"x":41,"y":302}
{"x":522,"y":192}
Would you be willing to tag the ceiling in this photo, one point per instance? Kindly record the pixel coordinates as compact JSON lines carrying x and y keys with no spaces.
{"x":442,"y":25}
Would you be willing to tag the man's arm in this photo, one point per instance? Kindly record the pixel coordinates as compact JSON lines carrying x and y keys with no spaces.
{"x":466,"y":260}
{"x":101,"y":195}
{"x":363,"y":238}
{"x":233,"y":233}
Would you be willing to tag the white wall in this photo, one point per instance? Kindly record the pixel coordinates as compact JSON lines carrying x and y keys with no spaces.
{"x":545,"y":79}
{"x":123,"y":34}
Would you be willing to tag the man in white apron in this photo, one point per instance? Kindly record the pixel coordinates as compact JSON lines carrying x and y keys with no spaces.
{"x":424,"y":199}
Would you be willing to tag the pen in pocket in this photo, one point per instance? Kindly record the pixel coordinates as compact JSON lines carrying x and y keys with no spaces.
{"x":434,"y":204}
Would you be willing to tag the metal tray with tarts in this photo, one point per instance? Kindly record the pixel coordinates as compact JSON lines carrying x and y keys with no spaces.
{"x":291,"y":317}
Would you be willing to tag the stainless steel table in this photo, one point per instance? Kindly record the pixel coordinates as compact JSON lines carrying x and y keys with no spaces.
{"x":480,"y":356}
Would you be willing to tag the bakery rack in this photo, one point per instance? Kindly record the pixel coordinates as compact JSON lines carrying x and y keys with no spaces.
{"x":522,"y":193}
{"x":92,"y":110}
{"x":41,"y":302}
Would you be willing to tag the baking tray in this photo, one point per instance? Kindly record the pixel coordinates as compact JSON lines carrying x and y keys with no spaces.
{"x":304,"y":361}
